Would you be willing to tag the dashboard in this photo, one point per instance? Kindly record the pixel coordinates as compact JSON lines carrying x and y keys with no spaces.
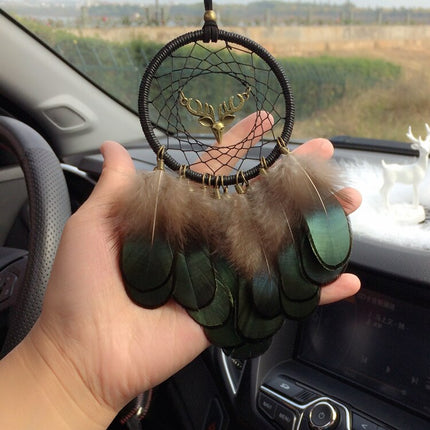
{"x":363,"y":363}
{"x":368,"y":361}
{"x":359,"y":364}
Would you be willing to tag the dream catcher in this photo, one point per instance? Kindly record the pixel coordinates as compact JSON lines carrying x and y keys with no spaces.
{"x":240,"y":243}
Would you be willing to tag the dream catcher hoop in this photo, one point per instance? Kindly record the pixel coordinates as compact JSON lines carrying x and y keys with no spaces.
{"x":217,"y":110}
{"x":257,"y":84}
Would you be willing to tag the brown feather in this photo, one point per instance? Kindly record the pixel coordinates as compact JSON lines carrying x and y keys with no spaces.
{"x":248,"y":229}
{"x":259,"y":223}
{"x":302,"y":179}
{"x":158,"y":203}
{"x":238,"y":237}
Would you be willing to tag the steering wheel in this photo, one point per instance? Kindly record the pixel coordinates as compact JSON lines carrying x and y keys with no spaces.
{"x":49,"y":210}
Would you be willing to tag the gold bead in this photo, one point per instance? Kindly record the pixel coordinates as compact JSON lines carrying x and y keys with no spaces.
{"x":209,"y":15}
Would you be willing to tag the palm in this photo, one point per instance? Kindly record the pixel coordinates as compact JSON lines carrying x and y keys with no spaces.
{"x":125,"y":348}
{"x":119,"y":348}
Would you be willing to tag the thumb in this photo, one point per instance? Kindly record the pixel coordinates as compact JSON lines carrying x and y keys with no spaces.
{"x":118,"y":171}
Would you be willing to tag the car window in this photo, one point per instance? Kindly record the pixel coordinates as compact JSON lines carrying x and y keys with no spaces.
{"x":356,"y":68}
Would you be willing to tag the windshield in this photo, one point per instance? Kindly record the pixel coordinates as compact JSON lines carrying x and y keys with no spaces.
{"x":358,"y":68}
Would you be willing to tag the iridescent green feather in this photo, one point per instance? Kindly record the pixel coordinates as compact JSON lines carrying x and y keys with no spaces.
{"x":225,"y":336}
{"x":194,"y":278}
{"x":250,"y":324}
{"x":154,"y":298}
{"x":294,"y":286}
{"x":145,"y":266}
{"x":299,"y":310}
{"x":329,"y":233}
{"x":147,"y":271}
{"x":299,"y":297}
{"x":265,"y":293}
{"x":249,"y":350}
{"x":311,"y":267}
{"x":217,"y":312}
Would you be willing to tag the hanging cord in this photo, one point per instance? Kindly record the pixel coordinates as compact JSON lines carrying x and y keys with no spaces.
{"x":210,"y":27}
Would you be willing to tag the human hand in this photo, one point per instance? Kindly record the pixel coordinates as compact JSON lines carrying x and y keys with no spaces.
{"x":102,"y":347}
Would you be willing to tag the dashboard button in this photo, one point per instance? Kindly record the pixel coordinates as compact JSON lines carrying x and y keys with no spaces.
{"x":284,"y":386}
{"x":323,"y":416}
{"x":267,"y":405}
{"x":361,"y":423}
{"x":285,"y":417}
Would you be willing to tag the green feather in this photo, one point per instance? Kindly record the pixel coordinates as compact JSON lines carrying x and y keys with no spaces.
{"x":225,"y":336}
{"x":219,"y":309}
{"x":194,"y":278}
{"x":312,"y":269}
{"x":249,"y":350}
{"x":216,"y":313}
{"x":265,"y":294}
{"x":225,"y":275}
{"x":146,"y":266}
{"x":300,"y":310}
{"x":329,"y":233}
{"x":151,"y":299}
{"x":299,"y":297}
{"x":294,"y":286}
{"x":250,"y":324}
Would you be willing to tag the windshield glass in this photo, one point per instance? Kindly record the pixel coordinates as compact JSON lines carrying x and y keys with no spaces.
{"x":358,"y":68}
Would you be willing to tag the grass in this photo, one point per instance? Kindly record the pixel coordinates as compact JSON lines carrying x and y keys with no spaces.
{"x":359,"y":95}
{"x":380,"y":112}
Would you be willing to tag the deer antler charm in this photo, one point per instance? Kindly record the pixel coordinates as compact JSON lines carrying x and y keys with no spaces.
{"x":206,"y":112}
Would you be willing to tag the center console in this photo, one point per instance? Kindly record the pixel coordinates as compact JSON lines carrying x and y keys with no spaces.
{"x":359,"y":364}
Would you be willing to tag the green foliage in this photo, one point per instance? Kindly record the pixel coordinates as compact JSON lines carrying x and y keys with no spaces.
{"x":320,"y":82}
{"x":317,"y":83}
{"x":115,"y":67}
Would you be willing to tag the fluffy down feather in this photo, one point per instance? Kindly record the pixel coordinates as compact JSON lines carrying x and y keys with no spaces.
{"x":255,"y":226}
{"x":249,"y":230}
{"x":159,"y":204}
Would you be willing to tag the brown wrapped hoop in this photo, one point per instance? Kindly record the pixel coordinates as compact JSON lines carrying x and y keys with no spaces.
{"x":159,"y":106}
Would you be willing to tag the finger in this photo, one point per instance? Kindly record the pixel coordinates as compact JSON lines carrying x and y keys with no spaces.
{"x":118,"y":168}
{"x":221,"y":158}
{"x":350,"y":199}
{"x":318,"y":147}
{"x":345,"y":286}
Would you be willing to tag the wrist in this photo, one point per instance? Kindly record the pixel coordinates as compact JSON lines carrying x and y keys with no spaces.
{"x":41,"y":389}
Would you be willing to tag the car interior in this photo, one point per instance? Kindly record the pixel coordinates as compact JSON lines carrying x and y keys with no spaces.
{"x":361,"y":363}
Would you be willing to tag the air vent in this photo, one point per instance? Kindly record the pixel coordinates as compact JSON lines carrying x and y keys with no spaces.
{"x":67,"y":113}
{"x":64,"y":117}
{"x":238,"y":363}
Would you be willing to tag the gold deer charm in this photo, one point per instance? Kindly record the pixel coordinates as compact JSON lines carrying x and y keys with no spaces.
{"x":206,"y":113}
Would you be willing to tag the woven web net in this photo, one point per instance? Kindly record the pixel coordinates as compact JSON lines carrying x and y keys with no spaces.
{"x":192,"y":93}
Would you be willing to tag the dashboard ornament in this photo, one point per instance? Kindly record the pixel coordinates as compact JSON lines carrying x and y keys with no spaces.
{"x":239,"y":254}
{"x":409,"y":174}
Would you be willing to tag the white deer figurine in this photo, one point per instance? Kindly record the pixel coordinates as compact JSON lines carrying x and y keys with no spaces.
{"x":411,"y":174}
